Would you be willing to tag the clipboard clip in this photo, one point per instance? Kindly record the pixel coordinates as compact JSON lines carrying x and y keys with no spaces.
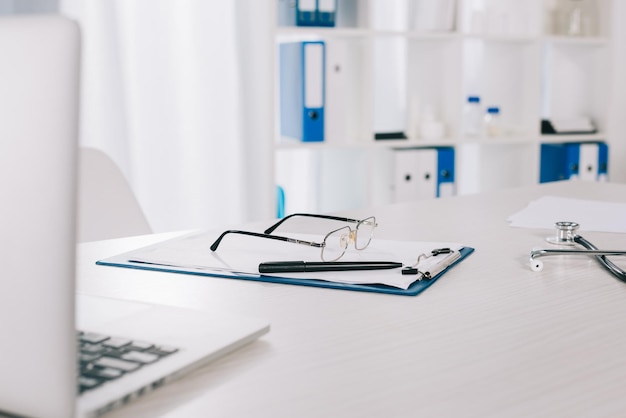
{"x":432,"y":269}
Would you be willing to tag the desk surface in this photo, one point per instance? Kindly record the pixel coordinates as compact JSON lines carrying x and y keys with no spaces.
{"x":490,"y":339}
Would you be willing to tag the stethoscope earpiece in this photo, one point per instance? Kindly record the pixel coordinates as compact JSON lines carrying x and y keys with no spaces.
{"x":536,"y":265}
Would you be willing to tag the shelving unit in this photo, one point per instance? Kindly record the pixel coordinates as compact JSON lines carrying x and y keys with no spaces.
{"x":504,"y":51}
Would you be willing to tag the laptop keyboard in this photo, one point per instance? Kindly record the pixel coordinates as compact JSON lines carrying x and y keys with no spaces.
{"x":103,"y":358}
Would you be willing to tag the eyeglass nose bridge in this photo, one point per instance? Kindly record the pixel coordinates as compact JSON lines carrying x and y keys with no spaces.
{"x":352,"y":237}
{"x":347,"y":237}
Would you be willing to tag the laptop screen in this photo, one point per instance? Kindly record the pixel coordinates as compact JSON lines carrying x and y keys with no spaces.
{"x":39,"y":79}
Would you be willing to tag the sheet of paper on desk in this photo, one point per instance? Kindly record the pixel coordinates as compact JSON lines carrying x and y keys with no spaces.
{"x":591,"y":215}
{"x":241,"y":254}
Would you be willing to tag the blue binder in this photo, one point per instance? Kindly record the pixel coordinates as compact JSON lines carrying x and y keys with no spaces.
{"x":316,"y":12}
{"x":603,"y":160}
{"x":302,"y":90}
{"x":445,"y":169}
{"x":423,"y":173}
{"x":326,"y":12}
{"x":562,"y":161}
{"x":306,"y":12}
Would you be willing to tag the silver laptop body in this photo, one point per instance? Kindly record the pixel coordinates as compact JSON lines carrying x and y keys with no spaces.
{"x":39,"y":308}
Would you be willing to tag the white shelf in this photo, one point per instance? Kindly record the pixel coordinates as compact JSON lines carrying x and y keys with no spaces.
{"x":320,"y":32}
{"x":529,"y":73}
{"x":502,"y":38}
{"x":573,"y":138}
{"x":583,"y":41}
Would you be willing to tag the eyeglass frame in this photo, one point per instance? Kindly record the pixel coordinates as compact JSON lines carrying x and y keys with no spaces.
{"x":268,"y":233}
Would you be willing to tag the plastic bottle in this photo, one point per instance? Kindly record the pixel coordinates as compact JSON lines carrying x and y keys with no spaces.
{"x":472,"y":117}
{"x":492,"y":122}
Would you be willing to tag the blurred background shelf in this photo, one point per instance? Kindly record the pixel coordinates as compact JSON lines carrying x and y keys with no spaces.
{"x":396,"y":65}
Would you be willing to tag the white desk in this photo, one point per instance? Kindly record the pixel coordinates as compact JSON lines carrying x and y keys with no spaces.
{"x":490,"y":339}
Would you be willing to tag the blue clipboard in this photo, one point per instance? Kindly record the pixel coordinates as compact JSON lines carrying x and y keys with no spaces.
{"x":416,"y":288}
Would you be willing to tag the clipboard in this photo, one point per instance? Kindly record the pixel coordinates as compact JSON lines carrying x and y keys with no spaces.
{"x":122,"y":260}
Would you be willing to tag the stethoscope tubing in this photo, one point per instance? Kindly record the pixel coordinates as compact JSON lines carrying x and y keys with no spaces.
{"x":590,"y":249}
{"x":608,"y":264}
{"x":544,"y":252}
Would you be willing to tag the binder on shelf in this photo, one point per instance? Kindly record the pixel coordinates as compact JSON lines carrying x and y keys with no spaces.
{"x":306,"y":12}
{"x":326,"y":12}
{"x":415,"y":174}
{"x":574,"y":160}
{"x":445,"y":172}
{"x":423,"y":173}
{"x":316,"y":12}
{"x":302,"y":90}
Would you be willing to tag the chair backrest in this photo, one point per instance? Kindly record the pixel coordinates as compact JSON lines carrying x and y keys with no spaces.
{"x":107,"y":207}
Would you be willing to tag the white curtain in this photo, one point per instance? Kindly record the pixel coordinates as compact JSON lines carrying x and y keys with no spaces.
{"x":179,"y":94}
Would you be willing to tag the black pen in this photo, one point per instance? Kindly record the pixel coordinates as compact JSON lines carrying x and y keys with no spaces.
{"x":305,"y":267}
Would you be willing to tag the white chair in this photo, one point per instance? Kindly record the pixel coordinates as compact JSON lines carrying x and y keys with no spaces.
{"x":107,"y":207}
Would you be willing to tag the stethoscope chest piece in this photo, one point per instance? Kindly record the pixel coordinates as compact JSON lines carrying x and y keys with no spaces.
{"x":565,"y":233}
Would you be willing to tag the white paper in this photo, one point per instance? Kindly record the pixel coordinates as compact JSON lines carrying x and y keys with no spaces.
{"x":242,"y":254}
{"x":591,"y":215}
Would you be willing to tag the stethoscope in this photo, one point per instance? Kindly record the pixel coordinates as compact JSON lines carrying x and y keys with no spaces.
{"x":566,"y":235}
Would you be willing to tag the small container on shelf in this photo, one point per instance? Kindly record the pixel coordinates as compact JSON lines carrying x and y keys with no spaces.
{"x":430,"y":127}
{"x":492,"y":126}
{"x":472,"y":117}
{"x":576,"y":17}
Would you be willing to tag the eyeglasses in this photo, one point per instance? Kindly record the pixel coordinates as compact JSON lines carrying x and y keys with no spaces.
{"x":335,"y":243}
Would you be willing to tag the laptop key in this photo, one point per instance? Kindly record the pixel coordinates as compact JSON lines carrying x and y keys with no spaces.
{"x":140,"y":357}
{"x":116,"y":342}
{"x":115,"y":352}
{"x":87,"y":358}
{"x":92,"y":337}
{"x":163,"y":350}
{"x":91,"y":348}
{"x":141,"y":345}
{"x":104,"y":373}
{"x":127,"y":366}
{"x":167,"y":349}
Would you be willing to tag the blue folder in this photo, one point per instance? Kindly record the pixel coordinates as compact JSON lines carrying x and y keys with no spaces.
{"x":302,"y":90}
{"x":561,"y":161}
{"x":445,"y":167}
{"x":416,"y":288}
{"x":326,"y":12}
{"x":316,"y":12}
{"x":306,"y":12}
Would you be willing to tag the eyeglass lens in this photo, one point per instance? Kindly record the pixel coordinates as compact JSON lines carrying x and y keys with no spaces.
{"x":335,"y":244}
{"x":364,"y":233}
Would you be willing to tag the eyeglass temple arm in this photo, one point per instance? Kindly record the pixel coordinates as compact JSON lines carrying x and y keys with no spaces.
{"x":256,"y":234}
{"x":310,"y":215}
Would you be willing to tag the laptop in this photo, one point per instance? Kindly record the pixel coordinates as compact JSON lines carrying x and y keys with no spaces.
{"x":50,"y":334}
